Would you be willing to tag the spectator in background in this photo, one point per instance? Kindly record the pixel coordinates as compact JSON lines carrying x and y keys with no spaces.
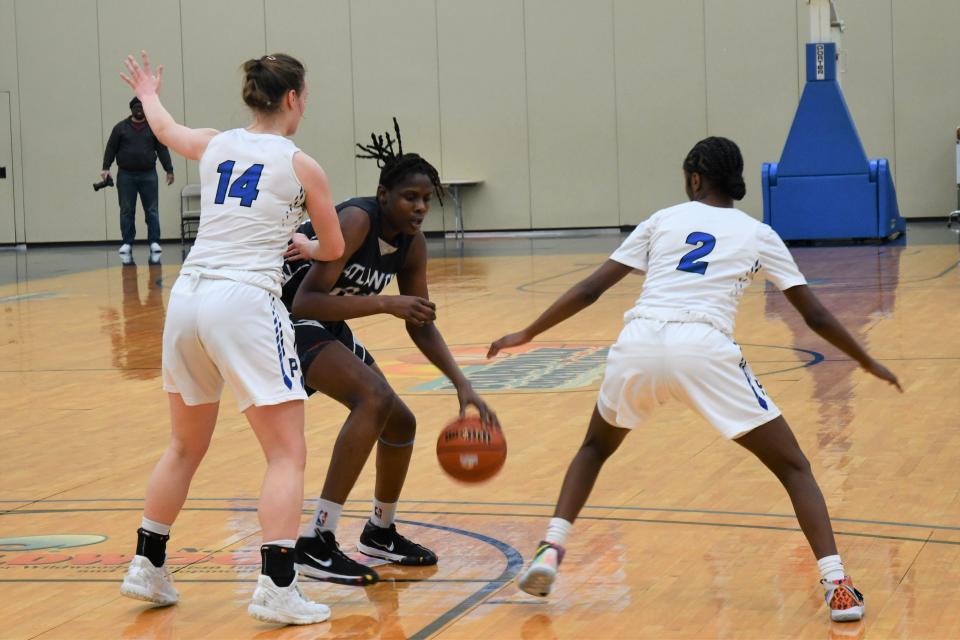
{"x":136,"y":149}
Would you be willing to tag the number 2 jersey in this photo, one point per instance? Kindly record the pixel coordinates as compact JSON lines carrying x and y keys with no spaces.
{"x":368,"y":271}
{"x":699,"y":259}
{"x":251,"y":202}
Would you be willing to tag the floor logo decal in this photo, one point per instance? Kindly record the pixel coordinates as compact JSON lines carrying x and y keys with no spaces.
{"x":535,"y":367}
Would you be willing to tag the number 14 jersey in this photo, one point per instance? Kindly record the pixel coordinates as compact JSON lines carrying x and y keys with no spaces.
{"x":699,"y":259}
{"x":251,"y":202}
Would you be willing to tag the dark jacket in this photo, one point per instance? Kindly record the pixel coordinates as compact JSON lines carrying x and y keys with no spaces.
{"x":135,"y":150}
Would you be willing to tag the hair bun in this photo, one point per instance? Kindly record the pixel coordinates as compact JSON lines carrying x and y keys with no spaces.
{"x":268,"y":79}
{"x":735,"y":187}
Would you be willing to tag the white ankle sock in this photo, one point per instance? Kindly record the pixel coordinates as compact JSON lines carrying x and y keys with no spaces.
{"x":383,"y":513}
{"x":154,"y":527}
{"x":325,"y":518}
{"x":557,"y":531}
{"x":831,"y":568}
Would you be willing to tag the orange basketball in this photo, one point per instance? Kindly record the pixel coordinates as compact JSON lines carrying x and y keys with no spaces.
{"x":470,"y":452}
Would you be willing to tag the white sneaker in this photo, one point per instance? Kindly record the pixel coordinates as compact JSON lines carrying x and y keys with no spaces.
{"x":125,"y":248}
{"x":147,"y":582}
{"x":285,"y":605}
{"x":538,"y":579}
{"x":155,"y":247}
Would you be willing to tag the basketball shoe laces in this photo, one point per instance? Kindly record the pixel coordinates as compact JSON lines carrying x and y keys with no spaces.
{"x":404,"y":542}
{"x":335,"y":549}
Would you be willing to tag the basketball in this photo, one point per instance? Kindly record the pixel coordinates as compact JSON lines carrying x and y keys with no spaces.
{"x":469,"y":451}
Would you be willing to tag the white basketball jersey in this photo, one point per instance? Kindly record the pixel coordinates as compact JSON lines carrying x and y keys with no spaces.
{"x":250,"y":204}
{"x":699,"y":259}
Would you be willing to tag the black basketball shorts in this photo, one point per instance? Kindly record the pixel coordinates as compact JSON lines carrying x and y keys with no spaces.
{"x":312,"y":336}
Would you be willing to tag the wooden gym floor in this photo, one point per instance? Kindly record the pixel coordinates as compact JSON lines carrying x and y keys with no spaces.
{"x":685,"y":535}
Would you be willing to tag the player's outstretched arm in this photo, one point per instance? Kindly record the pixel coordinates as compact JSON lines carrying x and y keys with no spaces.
{"x":412,"y":281}
{"x":190,"y":143}
{"x":824,"y":324}
{"x":576,"y":299}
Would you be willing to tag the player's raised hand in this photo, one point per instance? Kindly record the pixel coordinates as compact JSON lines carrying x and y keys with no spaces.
{"x":142,"y":80}
{"x":507,"y":341}
{"x":880,"y":371}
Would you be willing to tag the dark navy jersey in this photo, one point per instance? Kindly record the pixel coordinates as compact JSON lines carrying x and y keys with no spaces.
{"x":371,"y":267}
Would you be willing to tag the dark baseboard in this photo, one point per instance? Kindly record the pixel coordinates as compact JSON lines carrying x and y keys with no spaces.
{"x":441,"y":234}
{"x":92,"y":243}
{"x":625,"y":228}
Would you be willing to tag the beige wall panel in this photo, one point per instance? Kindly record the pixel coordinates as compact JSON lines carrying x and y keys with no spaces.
{"x":661,"y":100}
{"x":483,"y":109}
{"x":752,"y":87}
{"x":572,"y":113}
{"x":318,"y":34}
{"x":9,"y":82}
{"x":218,"y":37}
{"x":395,"y":74}
{"x":927,"y":105}
{"x":867,"y":79}
{"x":7,"y":225}
{"x":60,"y":120}
{"x":125,"y":28}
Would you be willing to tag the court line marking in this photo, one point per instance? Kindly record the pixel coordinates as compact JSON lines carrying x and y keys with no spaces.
{"x":692,"y":522}
{"x":816,"y":358}
{"x":514,"y":562}
{"x":530,"y":515}
{"x":754,"y":514}
{"x":830,"y":287}
{"x":248,"y":580}
{"x":512,"y":568}
{"x":513,"y":557}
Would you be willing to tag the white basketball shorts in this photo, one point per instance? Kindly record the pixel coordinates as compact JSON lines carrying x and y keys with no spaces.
{"x":653,"y":361}
{"x":222,"y":330}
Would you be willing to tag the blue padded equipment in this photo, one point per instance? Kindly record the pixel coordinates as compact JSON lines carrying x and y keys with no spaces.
{"x":824,"y":187}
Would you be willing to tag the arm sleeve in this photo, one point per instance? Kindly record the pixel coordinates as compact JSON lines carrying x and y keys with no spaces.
{"x":164,"y":154}
{"x":110,"y":153}
{"x":776,"y":260}
{"x":635,"y":250}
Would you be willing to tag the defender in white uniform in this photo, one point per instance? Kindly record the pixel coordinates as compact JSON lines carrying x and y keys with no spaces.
{"x":228,"y":292}
{"x":678,"y":339}
{"x":678,"y":343}
{"x":225,"y":323}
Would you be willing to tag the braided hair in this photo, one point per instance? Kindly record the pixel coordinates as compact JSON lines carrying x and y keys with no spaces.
{"x":718,"y":160}
{"x":395,"y":166}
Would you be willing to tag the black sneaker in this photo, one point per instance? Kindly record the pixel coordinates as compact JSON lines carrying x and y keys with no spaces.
{"x":386,"y":543}
{"x":320,"y":558}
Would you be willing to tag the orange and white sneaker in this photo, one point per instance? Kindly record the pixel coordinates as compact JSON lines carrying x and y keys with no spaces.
{"x":538,"y":579}
{"x":845,"y":602}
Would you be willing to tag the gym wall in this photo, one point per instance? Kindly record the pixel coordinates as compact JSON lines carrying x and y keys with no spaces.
{"x":574,"y":113}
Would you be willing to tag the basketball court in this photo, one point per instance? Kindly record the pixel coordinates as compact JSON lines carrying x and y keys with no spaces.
{"x":685,"y":535}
